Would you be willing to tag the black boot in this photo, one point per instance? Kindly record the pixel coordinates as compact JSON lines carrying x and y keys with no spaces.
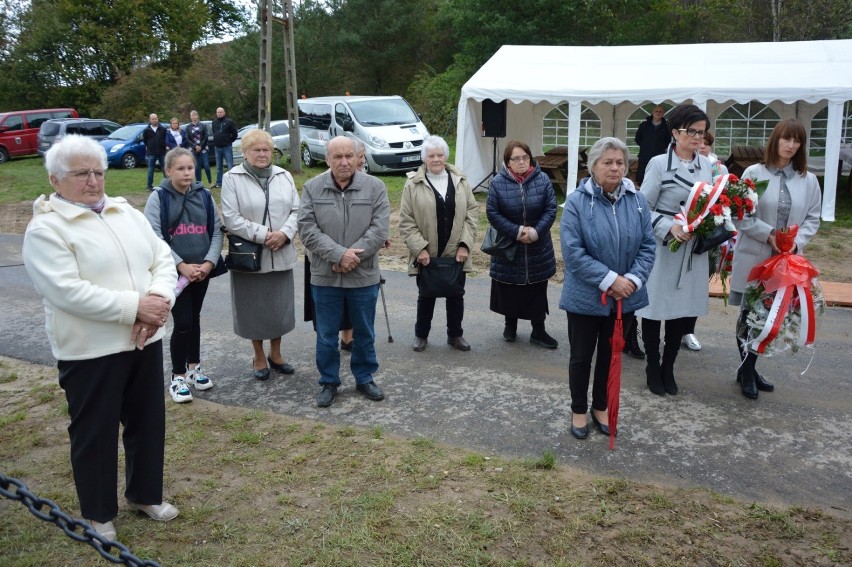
{"x":746,"y":378}
{"x":540,"y":337}
{"x":510,"y":330}
{"x":651,"y":338}
{"x":667,"y":367}
{"x":631,"y":340}
{"x":762,"y":384}
{"x":759,"y":381}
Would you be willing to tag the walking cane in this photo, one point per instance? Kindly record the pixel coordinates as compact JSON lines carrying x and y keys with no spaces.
{"x":385,"y":305}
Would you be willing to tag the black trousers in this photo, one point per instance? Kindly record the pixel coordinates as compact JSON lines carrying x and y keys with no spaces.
{"x":124,"y":388}
{"x":185,"y":344}
{"x":426,"y":309}
{"x":587,"y":334}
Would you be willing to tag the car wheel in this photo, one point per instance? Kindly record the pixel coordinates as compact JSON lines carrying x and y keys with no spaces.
{"x":367,"y":166}
{"x":128,"y":161}
{"x":4,"y":155}
{"x":307,"y":158}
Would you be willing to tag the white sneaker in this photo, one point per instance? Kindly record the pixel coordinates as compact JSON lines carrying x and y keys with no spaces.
{"x":196,"y":377}
{"x":179,"y":390}
{"x":691,"y":342}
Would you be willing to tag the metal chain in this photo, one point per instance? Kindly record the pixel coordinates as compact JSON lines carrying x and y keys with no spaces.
{"x":78,"y":530}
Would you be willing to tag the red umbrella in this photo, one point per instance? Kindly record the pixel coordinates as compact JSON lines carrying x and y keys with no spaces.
{"x":613,"y":384}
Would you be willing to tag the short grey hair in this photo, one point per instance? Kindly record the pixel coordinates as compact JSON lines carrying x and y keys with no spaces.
{"x":434,"y":143}
{"x":606,"y":144}
{"x":360,"y":148}
{"x":59,"y":156}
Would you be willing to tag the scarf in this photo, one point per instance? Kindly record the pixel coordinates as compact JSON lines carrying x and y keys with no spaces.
{"x":261,"y":175}
{"x":521,"y":177}
{"x":97,"y":207}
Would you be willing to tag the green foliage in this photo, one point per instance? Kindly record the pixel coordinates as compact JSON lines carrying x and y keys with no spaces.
{"x":139,"y":94}
{"x":436,"y":97}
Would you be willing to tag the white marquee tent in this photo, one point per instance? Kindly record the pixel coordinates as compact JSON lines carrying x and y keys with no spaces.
{"x":535,"y":79}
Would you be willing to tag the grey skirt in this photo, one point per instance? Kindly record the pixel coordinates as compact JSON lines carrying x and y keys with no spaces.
{"x":263,"y":305}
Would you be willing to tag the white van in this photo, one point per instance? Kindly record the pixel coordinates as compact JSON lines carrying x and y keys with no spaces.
{"x":390,"y":129}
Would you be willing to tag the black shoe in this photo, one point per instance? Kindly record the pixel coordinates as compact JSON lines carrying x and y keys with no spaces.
{"x":653,"y":377}
{"x":150,"y":188}
{"x":326,"y":396}
{"x":282,"y":368}
{"x":542,"y":339}
{"x":262,"y":374}
{"x":667,"y":375}
{"x":458,"y":343}
{"x":580,"y":432}
{"x":510,"y":334}
{"x":371,"y":391}
{"x":631,"y":342}
{"x":759,"y":381}
{"x":419,"y":344}
{"x":747,"y":383}
{"x":215,"y":186}
{"x":602,"y":427}
{"x":347,"y":346}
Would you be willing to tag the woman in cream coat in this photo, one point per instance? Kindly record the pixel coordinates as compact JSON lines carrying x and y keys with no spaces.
{"x":438,"y":188}
{"x":792,"y":197}
{"x":263,"y":302}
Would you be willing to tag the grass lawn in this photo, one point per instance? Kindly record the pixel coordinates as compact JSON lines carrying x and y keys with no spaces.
{"x":260,"y":489}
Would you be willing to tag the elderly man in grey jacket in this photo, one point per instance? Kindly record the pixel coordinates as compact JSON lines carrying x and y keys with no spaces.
{"x":343,"y":222}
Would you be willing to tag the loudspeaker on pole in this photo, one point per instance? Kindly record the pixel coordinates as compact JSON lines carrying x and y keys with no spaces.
{"x":493,"y":119}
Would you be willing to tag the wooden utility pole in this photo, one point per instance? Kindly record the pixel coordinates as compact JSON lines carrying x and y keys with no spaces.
{"x":292,"y":91}
{"x":264,"y":91}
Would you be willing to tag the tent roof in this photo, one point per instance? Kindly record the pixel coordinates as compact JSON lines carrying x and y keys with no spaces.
{"x":807,"y":71}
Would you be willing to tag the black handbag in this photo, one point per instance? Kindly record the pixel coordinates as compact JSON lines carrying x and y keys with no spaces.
{"x":704,"y":244}
{"x":244,"y":255}
{"x":443,"y":277}
{"x":498,"y":246}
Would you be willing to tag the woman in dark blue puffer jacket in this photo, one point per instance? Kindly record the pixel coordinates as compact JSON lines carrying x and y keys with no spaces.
{"x":522,"y":206}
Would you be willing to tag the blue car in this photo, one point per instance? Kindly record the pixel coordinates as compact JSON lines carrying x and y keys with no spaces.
{"x":125,"y":147}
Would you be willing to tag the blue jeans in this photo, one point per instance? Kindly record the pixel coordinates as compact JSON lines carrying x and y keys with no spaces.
{"x":328,"y":303}
{"x":151,"y":161}
{"x":223,"y":155}
{"x":202,"y":161}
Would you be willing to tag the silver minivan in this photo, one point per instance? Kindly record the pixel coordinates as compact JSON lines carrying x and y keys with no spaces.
{"x":387,"y":125}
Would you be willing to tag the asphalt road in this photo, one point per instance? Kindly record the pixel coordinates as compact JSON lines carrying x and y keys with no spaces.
{"x":792,"y":446}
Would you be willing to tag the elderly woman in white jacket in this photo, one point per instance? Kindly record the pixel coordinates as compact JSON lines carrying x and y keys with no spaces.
{"x":263,"y":302}
{"x":108,"y":284}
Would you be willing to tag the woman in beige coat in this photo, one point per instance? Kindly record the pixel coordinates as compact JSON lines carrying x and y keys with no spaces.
{"x":263,"y":302}
{"x":437,"y":218}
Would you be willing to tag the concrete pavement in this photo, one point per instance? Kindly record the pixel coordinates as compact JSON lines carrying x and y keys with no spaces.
{"x":792,"y":446}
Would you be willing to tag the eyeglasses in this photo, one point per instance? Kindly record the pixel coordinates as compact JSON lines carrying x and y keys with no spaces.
{"x":692,"y":132}
{"x":516,"y":159}
{"x":82,"y":175}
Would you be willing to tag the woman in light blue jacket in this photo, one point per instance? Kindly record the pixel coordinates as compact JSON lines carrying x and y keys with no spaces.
{"x":608,"y":249}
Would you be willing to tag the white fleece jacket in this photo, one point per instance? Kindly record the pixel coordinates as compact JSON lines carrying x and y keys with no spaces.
{"x":91,"y":270}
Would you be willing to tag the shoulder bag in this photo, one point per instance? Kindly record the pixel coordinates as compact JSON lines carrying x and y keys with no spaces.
{"x":443,"y":277}
{"x":244,"y":255}
{"x":498,"y":246}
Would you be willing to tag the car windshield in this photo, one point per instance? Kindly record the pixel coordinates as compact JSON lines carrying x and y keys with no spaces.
{"x":384,"y":112}
{"x":125,"y":133}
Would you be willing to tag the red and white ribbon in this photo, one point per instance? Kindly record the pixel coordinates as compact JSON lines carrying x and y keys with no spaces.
{"x":778,"y":312}
{"x":682,"y":218}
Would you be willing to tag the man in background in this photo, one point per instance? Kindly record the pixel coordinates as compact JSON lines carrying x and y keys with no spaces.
{"x":224,"y":134}
{"x":653,"y":138}
{"x":154,"y":138}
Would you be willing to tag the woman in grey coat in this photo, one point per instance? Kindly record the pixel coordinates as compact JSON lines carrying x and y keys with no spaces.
{"x":263,"y":302}
{"x":608,"y":243}
{"x":792,"y":197}
{"x":678,"y":287}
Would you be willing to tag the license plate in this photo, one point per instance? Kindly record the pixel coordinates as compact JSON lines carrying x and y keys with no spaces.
{"x":406,"y":159}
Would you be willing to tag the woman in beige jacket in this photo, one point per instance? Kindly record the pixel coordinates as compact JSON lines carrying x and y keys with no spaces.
{"x":437,"y":218}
